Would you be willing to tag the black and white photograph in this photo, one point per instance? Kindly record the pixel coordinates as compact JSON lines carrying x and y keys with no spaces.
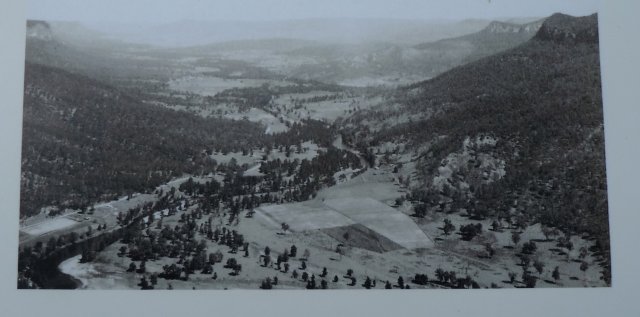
{"x":275,"y":145}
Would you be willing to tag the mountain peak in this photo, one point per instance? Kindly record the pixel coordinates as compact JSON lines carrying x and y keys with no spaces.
{"x":564,"y":28}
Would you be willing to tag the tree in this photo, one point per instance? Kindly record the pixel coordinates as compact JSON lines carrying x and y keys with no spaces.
{"x":495,"y":225}
{"x":231,"y":263}
{"x":515,"y":237}
{"x":387,"y":285}
{"x":452,"y":277}
{"x":266,"y":259}
{"x":293,"y":251}
{"x":122,"y":251}
{"x":305,"y":276}
{"x":236,"y":269}
{"x":215,"y":257}
{"x":584,"y":266}
{"x":529,"y":280}
{"x":448,"y":227}
{"x":154,"y":279}
{"x":266,"y":284}
{"x":539,"y":266}
{"x":335,"y":278}
{"x":144,"y":284}
{"x":267,"y":251}
{"x":51,"y":245}
{"x":556,"y":273}
{"x":583,"y":253}
{"x":400,"y":282}
{"x":367,"y":283}
{"x":132,"y":267}
{"x":469,"y":231}
{"x":323,"y":284}
{"x":306,"y":254}
{"x":420,"y":210}
{"x":207,"y":269}
{"x":512,"y":277}
{"x":142,"y":268}
{"x":324,"y":272}
{"x":440,"y":274}
{"x":303,"y":265}
{"x":489,"y":248}
{"x":529,"y":247}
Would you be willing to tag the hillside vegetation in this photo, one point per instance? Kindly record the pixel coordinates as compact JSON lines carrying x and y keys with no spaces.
{"x":539,"y":109}
{"x":84,"y":141}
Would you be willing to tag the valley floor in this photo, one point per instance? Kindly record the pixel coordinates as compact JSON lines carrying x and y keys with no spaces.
{"x":450,"y":253}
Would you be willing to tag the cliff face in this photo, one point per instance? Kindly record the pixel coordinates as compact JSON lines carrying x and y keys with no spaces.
{"x":497,"y":27}
{"x":563,"y":28}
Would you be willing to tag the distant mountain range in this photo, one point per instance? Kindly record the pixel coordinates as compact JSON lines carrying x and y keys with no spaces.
{"x":343,"y":31}
{"x":496,"y":37}
{"x":422,"y":60}
{"x":376,"y":55}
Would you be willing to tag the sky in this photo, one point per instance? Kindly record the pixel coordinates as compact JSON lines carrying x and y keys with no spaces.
{"x":164,"y":11}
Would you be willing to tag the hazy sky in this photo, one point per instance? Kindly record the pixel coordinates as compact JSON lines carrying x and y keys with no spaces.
{"x":159,"y":11}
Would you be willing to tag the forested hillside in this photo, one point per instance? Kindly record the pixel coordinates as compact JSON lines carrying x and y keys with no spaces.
{"x":515,"y":136}
{"x":84,"y":141}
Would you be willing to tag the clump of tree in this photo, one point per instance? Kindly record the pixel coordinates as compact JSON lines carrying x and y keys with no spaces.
{"x":420,"y":279}
{"x":420,"y":210}
{"x":266,"y":284}
{"x":469,"y":231}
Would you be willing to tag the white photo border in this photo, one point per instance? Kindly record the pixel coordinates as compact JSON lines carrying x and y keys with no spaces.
{"x":620,"y":49}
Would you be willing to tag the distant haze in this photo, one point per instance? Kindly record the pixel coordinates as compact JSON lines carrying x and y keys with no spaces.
{"x":197,"y":22}
{"x":162,"y":11}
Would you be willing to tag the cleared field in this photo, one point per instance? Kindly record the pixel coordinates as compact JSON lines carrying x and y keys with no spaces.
{"x":301,"y":217}
{"x":382,"y":219}
{"x":48,"y":226}
{"x":371,"y":183}
{"x":362,"y":237}
{"x":272,"y":123}
{"x":368,"y":212}
{"x":210,"y":86}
